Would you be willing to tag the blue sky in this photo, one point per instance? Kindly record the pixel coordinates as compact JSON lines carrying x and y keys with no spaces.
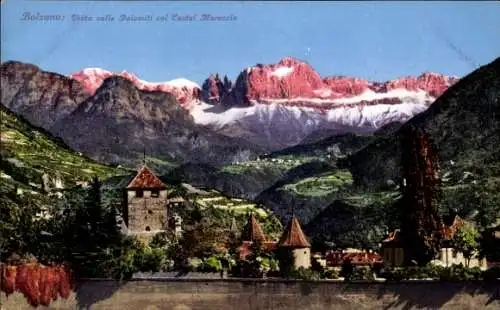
{"x":374,"y":40}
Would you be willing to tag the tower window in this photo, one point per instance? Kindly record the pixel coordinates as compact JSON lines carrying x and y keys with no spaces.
{"x":155,"y":193}
{"x":139,"y":193}
{"x":150,"y":212}
{"x":148,"y":228}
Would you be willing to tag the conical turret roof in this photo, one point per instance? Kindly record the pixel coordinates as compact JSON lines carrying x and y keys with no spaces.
{"x":252,"y":231}
{"x":293,"y":236}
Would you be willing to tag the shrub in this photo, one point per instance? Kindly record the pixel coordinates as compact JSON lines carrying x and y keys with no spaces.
{"x":211,"y":264}
{"x":393,"y":274}
{"x":329,"y":274}
{"x":192,"y":264}
{"x":304,"y":274}
{"x":247,"y":269}
{"x":429,"y":271}
{"x":361,"y":274}
{"x":460,"y":273}
{"x":160,"y":240}
{"x":453,"y":273}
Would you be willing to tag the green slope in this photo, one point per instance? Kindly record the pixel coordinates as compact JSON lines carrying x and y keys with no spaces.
{"x":464,"y":125}
{"x":28,"y":153}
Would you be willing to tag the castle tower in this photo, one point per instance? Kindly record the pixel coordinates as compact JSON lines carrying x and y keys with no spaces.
{"x":294,"y":243}
{"x":146,"y":205}
{"x":252,"y":231}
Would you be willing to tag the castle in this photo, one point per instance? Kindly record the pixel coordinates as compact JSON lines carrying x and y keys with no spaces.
{"x":147,"y":206}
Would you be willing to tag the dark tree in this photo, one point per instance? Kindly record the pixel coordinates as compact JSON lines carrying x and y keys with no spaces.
{"x":347,"y":269}
{"x":20,"y":228}
{"x":421,"y":222}
{"x":90,"y":231}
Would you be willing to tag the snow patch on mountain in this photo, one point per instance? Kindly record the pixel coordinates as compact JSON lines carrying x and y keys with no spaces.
{"x":184,"y":90}
{"x":282,"y":71}
{"x":277,"y":126}
{"x":181,"y":82}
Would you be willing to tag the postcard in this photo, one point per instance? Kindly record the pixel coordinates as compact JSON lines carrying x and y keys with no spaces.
{"x":249,"y":155}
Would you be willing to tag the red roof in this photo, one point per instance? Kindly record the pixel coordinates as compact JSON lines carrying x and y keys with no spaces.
{"x":253,"y":231}
{"x":293,"y":236}
{"x":245,"y":248}
{"x":145,"y":179}
{"x":337,"y":258}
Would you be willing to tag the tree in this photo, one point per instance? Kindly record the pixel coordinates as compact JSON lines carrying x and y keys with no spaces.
{"x":22,"y":230}
{"x":258,"y":263}
{"x":199,"y":240}
{"x":90,"y":231}
{"x":421,"y":222}
{"x":490,"y":244}
{"x":161,"y":240}
{"x":479,"y":200}
{"x":466,"y":240}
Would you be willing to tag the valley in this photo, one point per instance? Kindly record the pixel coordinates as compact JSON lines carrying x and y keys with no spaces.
{"x":349,"y":180}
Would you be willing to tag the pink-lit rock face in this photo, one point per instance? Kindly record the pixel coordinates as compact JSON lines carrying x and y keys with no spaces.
{"x":292,"y":79}
{"x":434,"y":84}
{"x":184,"y":90}
{"x":289,"y":78}
{"x":290,"y":82}
{"x":214,"y":89}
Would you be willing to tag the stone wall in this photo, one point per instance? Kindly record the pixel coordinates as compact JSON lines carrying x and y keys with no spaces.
{"x":274,"y":295}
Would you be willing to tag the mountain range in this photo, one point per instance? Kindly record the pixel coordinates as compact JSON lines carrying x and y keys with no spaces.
{"x":115,"y":117}
{"x":278,"y":105}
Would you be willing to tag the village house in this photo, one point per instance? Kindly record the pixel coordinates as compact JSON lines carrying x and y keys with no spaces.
{"x":358,"y":258}
{"x":392,"y":249}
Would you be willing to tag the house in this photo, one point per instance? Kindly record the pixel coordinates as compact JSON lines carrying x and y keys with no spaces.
{"x":335,"y":259}
{"x":392,"y":249}
{"x":295,"y":244}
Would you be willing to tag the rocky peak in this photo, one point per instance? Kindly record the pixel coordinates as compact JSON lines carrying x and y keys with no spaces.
{"x":295,"y":82}
{"x":117,"y":81}
{"x":290,"y":61}
{"x":214,"y":89}
{"x":432,"y":83}
{"x":9,"y":66}
{"x":290,"y":78}
{"x":184,"y":90}
{"x":41,"y":97}
{"x":344,"y":86}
